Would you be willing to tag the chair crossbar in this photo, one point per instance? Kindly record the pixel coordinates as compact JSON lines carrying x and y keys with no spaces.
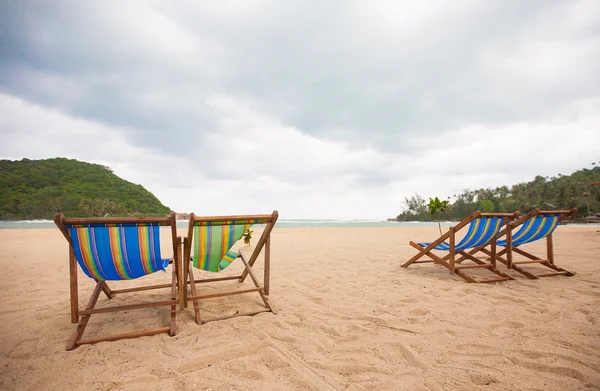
{"x":534,"y":261}
{"x":477,"y":266}
{"x":128,"y":307}
{"x":229,"y":293}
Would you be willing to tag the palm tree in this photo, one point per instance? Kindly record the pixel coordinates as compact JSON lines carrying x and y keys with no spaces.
{"x":436,"y":207}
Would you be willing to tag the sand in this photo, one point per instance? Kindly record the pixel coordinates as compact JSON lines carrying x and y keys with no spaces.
{"x":350,"y":318}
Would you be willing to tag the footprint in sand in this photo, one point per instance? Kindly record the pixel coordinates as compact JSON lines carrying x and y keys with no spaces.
{"x":515,"y":325}
{"x":252,"y":375}
{"x":591,"y":319}
{"x":420,"y":312}
{"x":498,"y":329}
{"x":330,"y":331}
{"x":482,"y":379}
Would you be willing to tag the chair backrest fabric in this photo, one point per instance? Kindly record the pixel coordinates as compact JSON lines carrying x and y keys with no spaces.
{"x":213,"y":241}
{"x":117,"y":251}
{"x":535,"y":228}
{"x":481,"y":230}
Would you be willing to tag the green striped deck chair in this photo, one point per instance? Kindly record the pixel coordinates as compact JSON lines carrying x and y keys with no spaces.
{"x":209,"y":247}
{"x":482,"y":229}
{"x":533,"y":226}
{"x":115,"y":249}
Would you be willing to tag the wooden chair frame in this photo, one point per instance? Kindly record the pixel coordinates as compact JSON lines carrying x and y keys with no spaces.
{"x":510,"y":249}
{"x":263,"y":290}
{"x":450,"y":262}
{"x":82,"y":316}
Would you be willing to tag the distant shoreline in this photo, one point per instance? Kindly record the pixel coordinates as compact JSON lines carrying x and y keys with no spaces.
{"x":292,"y":223}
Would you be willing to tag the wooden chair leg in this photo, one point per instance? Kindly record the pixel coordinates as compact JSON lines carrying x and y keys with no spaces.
{"x":550,"y":249}
{"x":422,"y":251}
{"x":509,"y":246}
{"x":107,"y":291}
{"x":267,"y":276}
{"x":184,"y":273}
{"x":194,"y":293}
{"x":256,"y":283}
{"x":76,"y":337}
{"x":178,"y":270}
{"x":173,"y":324}
{"x":493,"y":253}
{"x":452,"y":254}
{"x":74,"y":291}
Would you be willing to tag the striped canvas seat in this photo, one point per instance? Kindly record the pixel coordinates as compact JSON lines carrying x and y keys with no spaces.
{"x":213,"y":241}
{"x":209,"y":247}
{"x":535,"y":228}
{"x":480,"y":231}
{"x":117,"y":251}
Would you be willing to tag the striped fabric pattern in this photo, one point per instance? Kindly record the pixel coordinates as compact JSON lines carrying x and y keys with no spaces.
{"x":212,"y":244}
{"x":480,"y":231}
{"x":117,"y":251}
{"x":535,"y":228}
{"x":229,"y":222}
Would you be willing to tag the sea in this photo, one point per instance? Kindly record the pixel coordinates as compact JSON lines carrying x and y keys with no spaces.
{"x":299,"y":223}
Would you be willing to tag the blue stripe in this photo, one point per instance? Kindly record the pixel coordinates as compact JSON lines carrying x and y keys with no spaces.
{"x":157,"y":262}
{"x":477,"y":234}
{"x":547,"y":229}
{"x":133,"y":250}
{"x":533,"y":224}
{"x":485,"y":234}
{"x":77,"y":251}
{"x":467,"y":241}
{"x":124,"y":253}
{"x":102,"y":254}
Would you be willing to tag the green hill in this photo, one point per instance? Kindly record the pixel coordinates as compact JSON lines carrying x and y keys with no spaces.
{"x":37,"y":189}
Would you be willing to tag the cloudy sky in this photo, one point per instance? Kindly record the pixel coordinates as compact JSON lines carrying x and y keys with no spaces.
{"x":320,"y":109}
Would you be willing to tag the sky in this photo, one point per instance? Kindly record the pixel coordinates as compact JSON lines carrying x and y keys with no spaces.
{"x":319,"y":109}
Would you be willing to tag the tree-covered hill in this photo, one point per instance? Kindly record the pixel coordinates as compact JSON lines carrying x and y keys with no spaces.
{"x":560,"y":192}
{"x":37,"y":189}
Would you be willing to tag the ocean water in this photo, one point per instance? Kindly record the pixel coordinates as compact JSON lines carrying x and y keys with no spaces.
{"x":40,"y":224}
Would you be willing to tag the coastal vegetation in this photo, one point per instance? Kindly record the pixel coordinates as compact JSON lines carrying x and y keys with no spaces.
{"x":559,"y":192}
{"x":436,"y":208}
{"x":37,"y":189}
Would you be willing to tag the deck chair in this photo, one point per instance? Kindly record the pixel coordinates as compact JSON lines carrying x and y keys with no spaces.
{"x":482,"y":229}
{"x":535,"y":225}
{"x":110,"y":249}
{"x":212,"y":239}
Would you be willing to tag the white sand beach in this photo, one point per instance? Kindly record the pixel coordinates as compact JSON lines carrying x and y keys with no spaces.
{"x":349,"y":318}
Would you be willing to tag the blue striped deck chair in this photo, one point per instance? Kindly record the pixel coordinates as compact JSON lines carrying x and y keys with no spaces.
{"x":533,"y":226}
{"x":482,"y":229}
{"x":116,"y":249}
{"x":208,"y":247}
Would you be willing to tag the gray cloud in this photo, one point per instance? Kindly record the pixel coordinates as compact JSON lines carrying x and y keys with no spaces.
{"x":350,"y":89}
{"x":340,"y":70}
